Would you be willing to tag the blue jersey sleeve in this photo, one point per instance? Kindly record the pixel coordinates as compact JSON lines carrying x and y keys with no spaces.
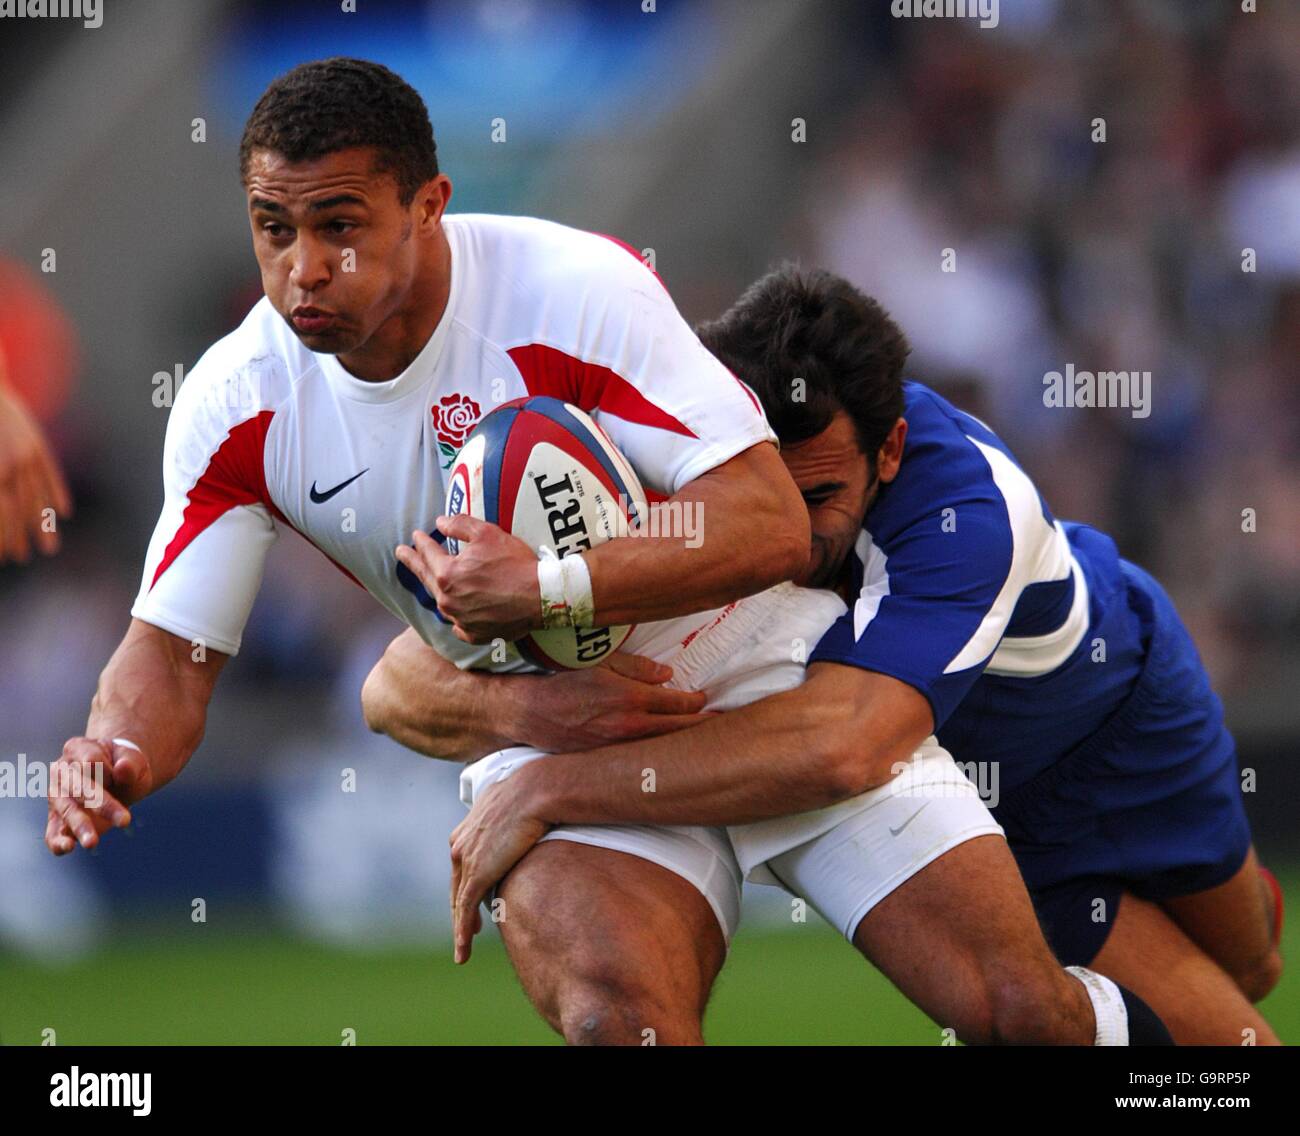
{"x":934,"y":598}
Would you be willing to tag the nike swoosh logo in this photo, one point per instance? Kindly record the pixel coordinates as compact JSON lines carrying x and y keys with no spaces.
{"x":321,"y":498}
{"x":896,"y":831}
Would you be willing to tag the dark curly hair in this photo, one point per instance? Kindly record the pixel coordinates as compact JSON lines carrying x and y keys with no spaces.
{"x":817,"y":327}
{"x":336,"y":104}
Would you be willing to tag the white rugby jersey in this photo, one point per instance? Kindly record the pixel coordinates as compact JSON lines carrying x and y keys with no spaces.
{"x":266,"y":433}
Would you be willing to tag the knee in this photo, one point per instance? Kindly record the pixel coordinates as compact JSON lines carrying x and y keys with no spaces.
{"x":602,"y":1017}
{"x":981,"y":1015}
{"x":1046,"y":1010}
{"x":607,"y":1007}
{"x":1258,"y":979}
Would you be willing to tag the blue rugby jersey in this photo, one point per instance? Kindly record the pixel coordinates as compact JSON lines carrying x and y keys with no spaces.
{"x":1015,"y":626}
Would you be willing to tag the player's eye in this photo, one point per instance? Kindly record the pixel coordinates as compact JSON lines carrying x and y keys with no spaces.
{"x":339,"y":225}
{"x":274,"y":229}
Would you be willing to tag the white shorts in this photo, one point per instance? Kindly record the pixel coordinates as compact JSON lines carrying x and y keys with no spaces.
{"x":701,"y":856}
{"x":884,"y":839}
{"x":842,"y":859}
{"x":738,"y":654}
{"x":880,"y":840}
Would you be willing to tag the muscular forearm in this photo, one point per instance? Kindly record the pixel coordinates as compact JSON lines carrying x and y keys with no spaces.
{"x":748,"y":765}
{"x":732,"y":532}
{"x":428,"y":704}
{"x":153,"y":693}
{"x":803,"y":749}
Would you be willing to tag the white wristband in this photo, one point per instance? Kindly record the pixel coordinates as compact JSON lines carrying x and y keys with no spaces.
{"x":565,"y":587}
{"x":550,"y":583}
{"x":577,"y":590}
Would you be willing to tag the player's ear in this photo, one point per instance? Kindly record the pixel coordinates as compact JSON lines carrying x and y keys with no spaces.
{"x":432,"y":198}
{"x":890,"y":455}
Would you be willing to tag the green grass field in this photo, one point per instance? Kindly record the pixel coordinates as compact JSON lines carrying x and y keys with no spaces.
{"x":803,"y":986}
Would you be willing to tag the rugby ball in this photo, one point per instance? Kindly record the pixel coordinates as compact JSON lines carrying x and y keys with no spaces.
{"x":544,"y":471}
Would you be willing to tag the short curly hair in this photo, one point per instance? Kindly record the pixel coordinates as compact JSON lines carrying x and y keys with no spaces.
{"x":337,"y":104}
{"x":815,"y":327}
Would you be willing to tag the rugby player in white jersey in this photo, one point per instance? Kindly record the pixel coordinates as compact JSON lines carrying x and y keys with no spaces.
{"x":334,"y":409}
{"x":386,"y":330}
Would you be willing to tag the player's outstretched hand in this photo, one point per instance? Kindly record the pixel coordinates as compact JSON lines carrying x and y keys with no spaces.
{"x":484,"y":847}
{"x":30,"y":483}
{"x":622,"y":699}
{"x":489,"y":591}
{"x":91,"y":786}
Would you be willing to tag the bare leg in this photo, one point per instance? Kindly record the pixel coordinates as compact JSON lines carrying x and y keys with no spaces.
{"x":1232,"y":924}
{"x":961,"y":940}
{"x":1199,"y":1001}
{"x":609,"y":946}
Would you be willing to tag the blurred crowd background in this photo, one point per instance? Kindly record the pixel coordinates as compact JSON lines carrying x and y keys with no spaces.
{"x":725,"y":136}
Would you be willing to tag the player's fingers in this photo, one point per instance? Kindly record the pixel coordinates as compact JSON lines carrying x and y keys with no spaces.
{"x":101,"y":803}
{"x":12,"y":531}
{"x":57,"y":837}
{"x":77,"y":820}
{"x":459,"y":924}
{"x":429,"y":548}
{"x":638,"y":667}
{"x":463,"y":527}
{"x":78,"y":792}
{"x":661,"y":700}
{"x":466,"y":896}
{"x":467,"y":922}
{"x":455,"y":887}
{"x":29,"y":503}
{"x":52,"y":481}
{"x":84,"y":783}
{"x":426,"y":558}
{"x":35,"y":502}
{"x":451,"y":903}
{"x":419,"y":568}
{"x":47,"y":490}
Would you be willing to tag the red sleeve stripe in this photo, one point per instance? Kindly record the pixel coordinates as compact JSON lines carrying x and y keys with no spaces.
{"x":633,"y":252}
{"x":624,"y":245}
{"x":589,"y":386}
{"x":235,"y":476}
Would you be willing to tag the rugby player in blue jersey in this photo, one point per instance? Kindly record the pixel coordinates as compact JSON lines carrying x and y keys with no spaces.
{"x":1027,"y":645}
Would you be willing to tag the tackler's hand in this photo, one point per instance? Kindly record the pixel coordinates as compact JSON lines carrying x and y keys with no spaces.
{"x":496,"y":835}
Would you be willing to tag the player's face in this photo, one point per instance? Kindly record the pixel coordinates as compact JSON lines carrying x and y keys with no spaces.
{"x":340,"y":255}
{"x":834,"y":476}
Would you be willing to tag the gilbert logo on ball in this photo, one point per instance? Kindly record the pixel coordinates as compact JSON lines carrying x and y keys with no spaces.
{"x":544,"y":471}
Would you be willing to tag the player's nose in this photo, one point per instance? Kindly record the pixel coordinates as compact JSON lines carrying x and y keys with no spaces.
{"x":310,"y":268}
